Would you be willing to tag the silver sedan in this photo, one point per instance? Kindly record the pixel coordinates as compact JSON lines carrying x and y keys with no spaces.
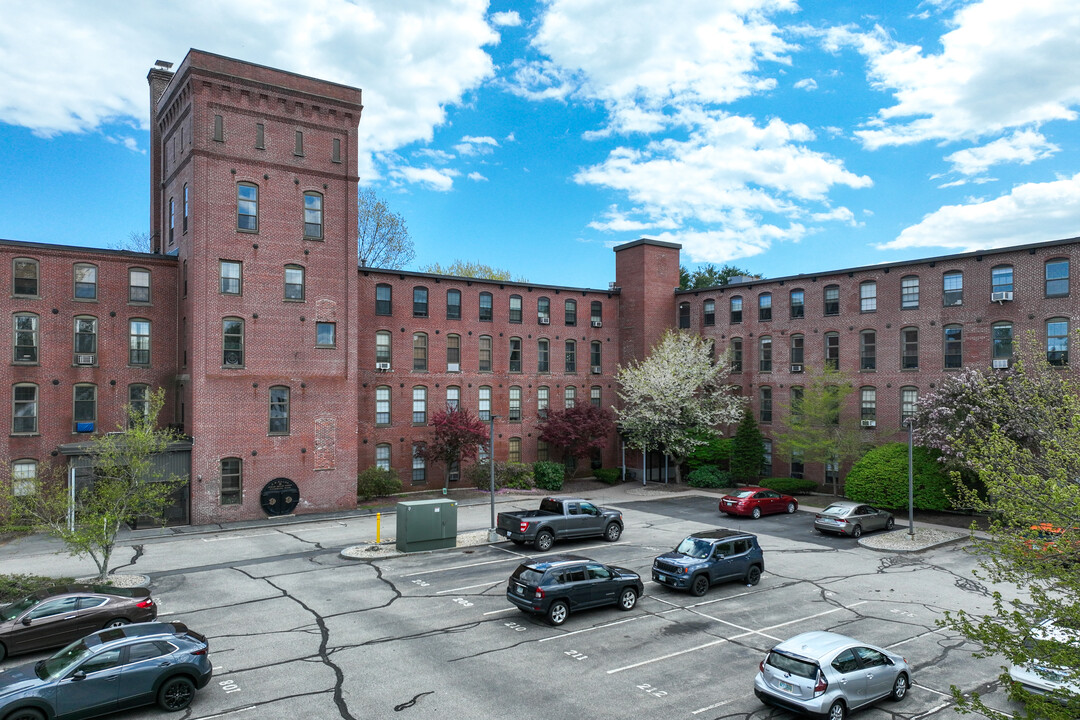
{"x":845,"y":517}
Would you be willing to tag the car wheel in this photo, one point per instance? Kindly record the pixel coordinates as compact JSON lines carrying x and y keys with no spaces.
{"x":613,"y":532}
{"x":175,"y":694}
{"x":756,"y":513}
{"x":889,"y":524}
{"x":628,"y":599}
{"x":899,"y":687}
{"x":753,"y":575}
{"x":25,"y":714}
{"x":556,"y":614}
{"x":791,"y":508}
{"x":3,"y":652}
{"x":518,"y":542}
{"x":544,"y":541}
{"x":117,"y":622}
{"x":856,"y":531}
{"x":837,"y":711}
{"x":699,"y":585}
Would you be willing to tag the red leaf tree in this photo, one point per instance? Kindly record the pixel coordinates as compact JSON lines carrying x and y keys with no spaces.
{"x":457,"y":438}
{"x":579,"y":430}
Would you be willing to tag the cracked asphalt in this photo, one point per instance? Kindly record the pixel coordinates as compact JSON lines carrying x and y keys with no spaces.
{"x":296,"y":631}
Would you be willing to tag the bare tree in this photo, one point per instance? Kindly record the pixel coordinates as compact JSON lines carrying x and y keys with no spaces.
{"x":134,"y":242}
{"x":383,"y":235}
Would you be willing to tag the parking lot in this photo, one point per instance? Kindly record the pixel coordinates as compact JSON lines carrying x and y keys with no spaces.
{"x":297,"y":631}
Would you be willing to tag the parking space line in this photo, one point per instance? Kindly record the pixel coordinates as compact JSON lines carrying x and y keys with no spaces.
{"x":222,"y":538}
{"x":492,"y":562}
{"x":230,"y":712}
{"x":590,"y":629}
{"x":930,"y":689}
{"x":496,"y":612}
{"x":666,"y":657}
{"x":931,"y":711}
{"x":468,"y":587}
{"x":898,"y":644}
{"x":711,"y":707}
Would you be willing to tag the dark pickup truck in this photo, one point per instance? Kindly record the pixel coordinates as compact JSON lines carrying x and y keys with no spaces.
{"x":560,"y":518}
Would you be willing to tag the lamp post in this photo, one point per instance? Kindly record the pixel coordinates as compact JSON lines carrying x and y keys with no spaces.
{"x":493,"y":536}
{"x":910,"y":423}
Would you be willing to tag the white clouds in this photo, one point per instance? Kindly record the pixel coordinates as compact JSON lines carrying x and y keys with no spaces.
{"x":476,"y":145}
{"x":127,"y":141}
{"x":1023,"y":147}
{"x":476,"y":177}
{"x":506,"y":19}
{"x":732,"y":243}
{"x":1032,"y":212}
{"x":441,"y":180}
{"x":540,"y":80}
{"x":806,"y":84}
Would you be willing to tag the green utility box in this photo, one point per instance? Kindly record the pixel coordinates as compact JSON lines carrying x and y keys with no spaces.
{"x":426,"y":525}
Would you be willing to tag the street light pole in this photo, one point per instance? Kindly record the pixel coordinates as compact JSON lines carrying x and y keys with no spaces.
{"x":910,"y":422}
{"x":493,"y":536}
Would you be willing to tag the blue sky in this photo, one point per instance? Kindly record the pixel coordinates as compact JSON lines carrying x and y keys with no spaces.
{"x":778,"y":136}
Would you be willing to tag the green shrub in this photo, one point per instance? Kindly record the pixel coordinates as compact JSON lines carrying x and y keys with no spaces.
{"x":709,"y":476}
{"x":13,"y":587}
{"x":789,"y":486}
{"x":609,"y":476}
{"x":376,"y":482}
{"x":715,"y":451}
{"x":507,"y":475}
{"x":549,"y":475}
{"x":747,"y":450}
{"x":881,"y":478}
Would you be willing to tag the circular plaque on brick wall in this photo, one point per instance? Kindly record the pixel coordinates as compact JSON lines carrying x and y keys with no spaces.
{"x":279,"y":496}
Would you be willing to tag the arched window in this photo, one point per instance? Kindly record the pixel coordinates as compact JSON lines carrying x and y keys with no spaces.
{"x":569,"y":396}
{"x":185,"y":207}
{"x":419,"y":352}
{"x":420,"y":301}
{"x":831,"y":296}
{"x":571,"y":356}
{"x":909,"y":348}
{"x":543,"y":355}
{"x":765,"y":404}
{"x":1002,"y":336}
{"x":382,"y":405}
{"x":419,"y":465}
{"x":484,"y":353}
{"x":484,"y":402}
{"x":1057,"y":341}
{"x":765,"y":353}
{"x":708,"y":311}
{"x":138,"y":402}
{"x":515,"y":355}
{"x":571,"y":312}
{"x":24,"y":411}
{"x":764,"y":307}
{"x":542,"y":399}
{"x":596,"y":313}
{"x":138,"y":341}
{"x":453,"y":397}
{"x":486,"y":312}
{"x":86,"y":339}
{"x":382,"y":456}
{"x":868,"y":406}
{"x":954,"y":347}
{"x":909,"y":292}
{"x":797,"y":353}
{"x":832,"y":350}
{"x":736,"y":310}
{"x":953,"y":288}
{"x":797,"y":300}
{"x":453,"y":304}
{"x":736,"y":355}
{"x":515,"y":308}
{"x":419,"y":405}
{"x":313,"y":215}
{"x":294,"y":282}
{"x":24,"y":477}
{"x":84,"y":408}
{"x":868,"y":350}
{"x":543,"y":310}
{"x":868,"y":296}
{"x":684,"y":315}
{"x":513,"y":450}
{"x":382,"y":350}
{"x":515,"y":404}
{"x":26,"y":340}
{"x":453,"y":353}
{"x":909,"y":399}
{"x":596,"y":360}
{"x":279,"y":410}
{"x":596,"y":394}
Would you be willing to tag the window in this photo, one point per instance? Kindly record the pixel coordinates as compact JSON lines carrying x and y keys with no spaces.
{"x":335,"y":153}
{"x":736,"y":310}
{"x":485,"y":307}
{"x":569,"y":397}
{"x":484,"y":403}
{"x":232,"y":330}
{"x":231,"y":277}
{"x":419,"y":405}
{"x":798,"y":304}
{"x":515,"y":309}
{"x":294,"y":282}
{"x":453,"y":397}
{"x":419,"y":466}
{"x":570,"y":310}
{"x":596,"y":396}
{"x":543,"y":355}
{"x":419,"y":352}
{"x":219,"y":128}
{"x":138,"y":403}
{"x":909,"y":292}
{"x":796,"y":404}
{"x":1057,"y":341}
{"x":85,"y":282}
{"x":1002,"y":337}
{"x":954,"y":347}
{"x":515,"y":355}
{"x":279,"y":410}
{"x":313,"y":222}
{"x":383,"y":300}
{"x":953,"y":288}
{"x":24,"y":477}
{"x":298,"y":146}
{"x":484,"y":353}
{"x":764,"y":307}
{"x":868,"y":404}
{"x":736,"y":355}
{"x":868,"y":297}
{"x":765,"y":354}
{"x":85,"y":340}
{"x":382,"y":456}
{"x":797,"y":350}
{"x":138,"y":342}
{"x":231,"y":481}
{"x":172,"y":219}
{"x":909,"y":398}
{"x":382,"y":347}
{"x":513,"y":450}
{"x":325,"y":334}
{"x":420,"y":302}
{"x":596,"y":360}
{"x":25,"y":277}
{"x":596,"y":313}
{"x":709,"y":312}
{"x":1001,"y":278}
{"x":832,"y":299}
{"x":542,"y":453}
{"x":260,"y":136}
{"x":453,"y":304}
{"x":571,"y":356}
{"x":247,"y":207}
{"x":832,"y":350}
{"x":909,"y":349}
{"x":382,"y":405}
{"x":185,"y":207}
{"x":84,"y":410}
{"x":185,"y":278}
{"x":766,"y":463}
{"x":515,"y":404}
{"x":453,"y":353}
{"x":868,"y":350}
{"x":542,"y":396}
{"x":543,"y":310}
{"x":797,"y":467}
{"x":24,"y":411}
{"x":26,"y":338}
{"x":684,"y":316}
{"x":138,"y":285}
{"x":1057,"y":278}
{"x":765,"y":404}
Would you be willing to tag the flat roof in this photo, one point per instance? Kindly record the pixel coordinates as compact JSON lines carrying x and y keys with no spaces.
{"x":488,"y":281}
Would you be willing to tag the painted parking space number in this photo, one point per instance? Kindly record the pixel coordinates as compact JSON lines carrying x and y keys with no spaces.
{"x":421,"y":583}
{"x":463,"y":602}
{"x":229,"y":686}
{"x":516,"y":627}
{"x":575,"y":654}
{"x":655,"y":692}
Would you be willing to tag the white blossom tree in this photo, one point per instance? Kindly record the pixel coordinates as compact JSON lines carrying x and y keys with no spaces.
{"x":676,"y":397}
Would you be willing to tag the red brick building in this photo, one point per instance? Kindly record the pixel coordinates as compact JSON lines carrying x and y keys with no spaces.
{"x":292,"y":368}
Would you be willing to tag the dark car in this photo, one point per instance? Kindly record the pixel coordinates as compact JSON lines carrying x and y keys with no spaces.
{"x":757,"y":501}
{"x":558,"y":585}
{"x":110,"y":670}
{"x":704,"y":559}
{"x":58,"y":615}
{"x":845,"y":517}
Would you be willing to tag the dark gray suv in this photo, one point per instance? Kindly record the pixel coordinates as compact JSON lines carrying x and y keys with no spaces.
{"x":704,"y":559}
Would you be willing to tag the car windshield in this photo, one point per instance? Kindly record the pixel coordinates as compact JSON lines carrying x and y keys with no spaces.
{"x":744,"y":494}
{"x":56,"y":665}
{"x":795,"y":666}
{"x":13,"y":610}
{"x":837,"y":510}
{"x":695,"y":548}
{"x":526,"y":575}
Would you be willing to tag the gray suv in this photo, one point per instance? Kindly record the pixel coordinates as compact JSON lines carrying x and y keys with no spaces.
{"x":704,"y":559}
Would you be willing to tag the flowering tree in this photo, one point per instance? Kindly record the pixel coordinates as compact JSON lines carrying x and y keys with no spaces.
{"x":457,"y":438}
{"x":674,"y":395}
{"x":579,"y":430}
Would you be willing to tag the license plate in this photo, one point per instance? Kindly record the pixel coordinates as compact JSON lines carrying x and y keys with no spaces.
{"x":786,"y":687}
{"x":728,"y":502}
{"x":520,"y":590}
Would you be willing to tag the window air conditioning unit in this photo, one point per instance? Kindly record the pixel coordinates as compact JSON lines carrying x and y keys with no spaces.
{"x":796,"y":368}
{"x":597,"y":323}
{"x":1001,"y":363}
{"x":382,"y":366}
{"x":453,"y":367}
{"x":869,"y":423}
{"x":596,"y":369}
{"x":84,"y":359}
{"x":543,"y":320}
{"x":1001,"y":296}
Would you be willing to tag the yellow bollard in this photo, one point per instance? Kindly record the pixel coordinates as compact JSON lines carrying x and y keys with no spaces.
{"x":378,"y":528}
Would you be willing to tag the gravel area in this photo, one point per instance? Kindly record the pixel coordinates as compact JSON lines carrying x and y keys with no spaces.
{"x":388,"y":547}
{"x":901,"y":541}
{"x":122,"y":581}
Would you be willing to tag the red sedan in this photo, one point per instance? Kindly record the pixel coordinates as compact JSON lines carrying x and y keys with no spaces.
{"x":756,"y":501}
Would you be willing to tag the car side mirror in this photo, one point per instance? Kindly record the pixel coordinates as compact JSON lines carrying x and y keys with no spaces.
{"x":889,"y":660}
{"x":78,"y":675}
{"x":26,"y":620}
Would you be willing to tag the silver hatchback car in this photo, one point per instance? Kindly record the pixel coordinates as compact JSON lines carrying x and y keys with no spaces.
{"x":845,"y":517}
{"x":829,"y":675}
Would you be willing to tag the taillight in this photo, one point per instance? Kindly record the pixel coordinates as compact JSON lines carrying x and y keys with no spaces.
{"x":822,"y":684}
{"x":200,"y":651}
{"x":539,"y":593}
{"x":524,"y":526}
{"x":147,"y":603}
{"x":761,"y":666}
{"x":841,"y":520}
